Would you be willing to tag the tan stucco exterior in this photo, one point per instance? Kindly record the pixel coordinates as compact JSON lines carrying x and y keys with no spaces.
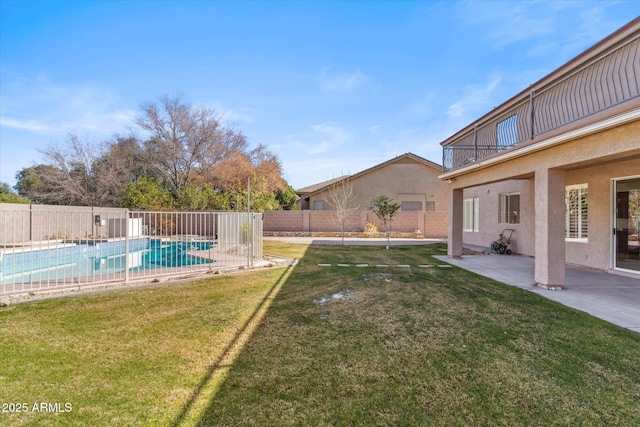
{"x":595,"y":160}
{"x":597,"y":143}
{"x":404,"y":178}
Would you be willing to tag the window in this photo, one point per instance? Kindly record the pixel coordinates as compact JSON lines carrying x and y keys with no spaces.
{"x":431,"y":206}
{"x":470,"y":214}
{"x":318,"y":205}
{"x":507,"y":132}
{"x":509,"y":208}
{"x":576,"y":222}
{"x":411,"y":206}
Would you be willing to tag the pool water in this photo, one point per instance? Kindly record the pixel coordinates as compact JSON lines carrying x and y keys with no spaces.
{"x":99,"y":258}
{"x":172,"y":254}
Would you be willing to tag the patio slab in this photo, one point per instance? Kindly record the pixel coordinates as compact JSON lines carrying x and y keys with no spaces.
{"x":611,"y":297}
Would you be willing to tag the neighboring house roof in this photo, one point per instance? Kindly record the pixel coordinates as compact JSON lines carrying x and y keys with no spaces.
{"x":313,"y":188}
{"x":326,"y":184}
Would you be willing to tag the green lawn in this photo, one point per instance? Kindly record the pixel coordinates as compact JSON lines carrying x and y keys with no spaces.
{"x":311,"y":345}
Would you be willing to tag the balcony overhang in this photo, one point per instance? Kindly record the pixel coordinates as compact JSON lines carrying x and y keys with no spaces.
{"x":618,"y":120}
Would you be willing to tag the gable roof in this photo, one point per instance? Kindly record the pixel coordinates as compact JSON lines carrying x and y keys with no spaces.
{"x":312,"y":188}
{"x":317,"y":188}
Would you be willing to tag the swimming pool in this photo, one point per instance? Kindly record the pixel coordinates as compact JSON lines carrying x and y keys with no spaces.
{"x":98,"y":259}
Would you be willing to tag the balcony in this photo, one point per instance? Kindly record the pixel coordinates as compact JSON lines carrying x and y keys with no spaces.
{"x":556,"y":103}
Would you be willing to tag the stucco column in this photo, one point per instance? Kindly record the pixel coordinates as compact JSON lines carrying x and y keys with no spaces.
{"x":549,"y":227}
{"x":454,"y":249}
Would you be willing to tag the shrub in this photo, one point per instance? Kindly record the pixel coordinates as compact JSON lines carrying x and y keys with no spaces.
{"x":370,"y":229}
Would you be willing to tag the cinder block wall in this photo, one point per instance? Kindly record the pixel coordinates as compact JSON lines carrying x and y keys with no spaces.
{"x":430,"y":224}
{"x":283,"y":220}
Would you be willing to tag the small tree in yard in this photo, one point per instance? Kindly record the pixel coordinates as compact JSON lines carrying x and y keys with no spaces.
{"x":385,"y":209}
{"x":341,"y":198}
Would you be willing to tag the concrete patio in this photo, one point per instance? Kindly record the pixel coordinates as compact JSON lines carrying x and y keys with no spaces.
{"x":610,"y":297}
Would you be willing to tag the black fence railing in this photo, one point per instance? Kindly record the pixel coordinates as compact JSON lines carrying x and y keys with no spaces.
{"x":610,"y":80}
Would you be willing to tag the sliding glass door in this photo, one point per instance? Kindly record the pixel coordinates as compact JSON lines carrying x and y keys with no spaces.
{"x":627,"y":224}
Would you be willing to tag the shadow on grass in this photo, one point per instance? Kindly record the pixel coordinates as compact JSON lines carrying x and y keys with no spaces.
{"x":416,"y":346}
{"x":225,"y":359}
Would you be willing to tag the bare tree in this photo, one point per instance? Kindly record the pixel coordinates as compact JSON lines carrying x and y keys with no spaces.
{"x":71,"y":179}
{"x":341,"y":195}
{"x":81,"y":172}
{"x":186,"y":140}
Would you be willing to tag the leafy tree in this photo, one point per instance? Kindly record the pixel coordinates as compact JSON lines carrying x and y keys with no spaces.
{"x":287,"y":198}
{"x":385,"y":209}
{"x":8,"y":196}
{"x":262,"y":198}
{"x":231,"y":174}
{"x":30,"y":183}
{"x":146,"y":193}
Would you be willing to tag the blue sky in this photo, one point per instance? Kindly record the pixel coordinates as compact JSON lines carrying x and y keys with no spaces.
{"x":331,"y":87}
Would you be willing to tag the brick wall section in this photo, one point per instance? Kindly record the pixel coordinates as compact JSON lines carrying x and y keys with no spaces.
{"x":284,"y":221}
{"x":430,"y":224}
{"x":436,"y":224}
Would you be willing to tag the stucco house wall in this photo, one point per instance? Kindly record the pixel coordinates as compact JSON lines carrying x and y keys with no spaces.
{"x":594,"y":159}
{"x":401,"y":179}
{"x":489,"y":228}
{"x":597,"y":251}
{"x":579,"y":125}
{"x":405,"y":178}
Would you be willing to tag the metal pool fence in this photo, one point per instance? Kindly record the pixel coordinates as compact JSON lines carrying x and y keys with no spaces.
{"x":58,"y":247}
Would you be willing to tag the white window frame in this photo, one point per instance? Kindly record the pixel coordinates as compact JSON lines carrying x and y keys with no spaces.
{"x":580,"y":191}
{"x":471,"y":214}
{"x":505,"y":208}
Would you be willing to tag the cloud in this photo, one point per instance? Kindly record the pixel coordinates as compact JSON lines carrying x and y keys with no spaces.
{"x":231,"y":115}
{"x":35,"y":126}
{"x":476,"y":97}
{"x":542,"y":28}
{"x":44,"y":107}
{"x":591,"y":27}
{"x":425,"y":105}
{"x":375,"y":130}
{"x":341,"y":81}
{"x":506,"y":23}
{"x":331,"y":136}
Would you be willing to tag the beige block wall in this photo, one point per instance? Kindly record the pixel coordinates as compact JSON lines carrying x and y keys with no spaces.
{"x":21,"y":223}
{"x":283,"y":221}
{"x":430,"y":224}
